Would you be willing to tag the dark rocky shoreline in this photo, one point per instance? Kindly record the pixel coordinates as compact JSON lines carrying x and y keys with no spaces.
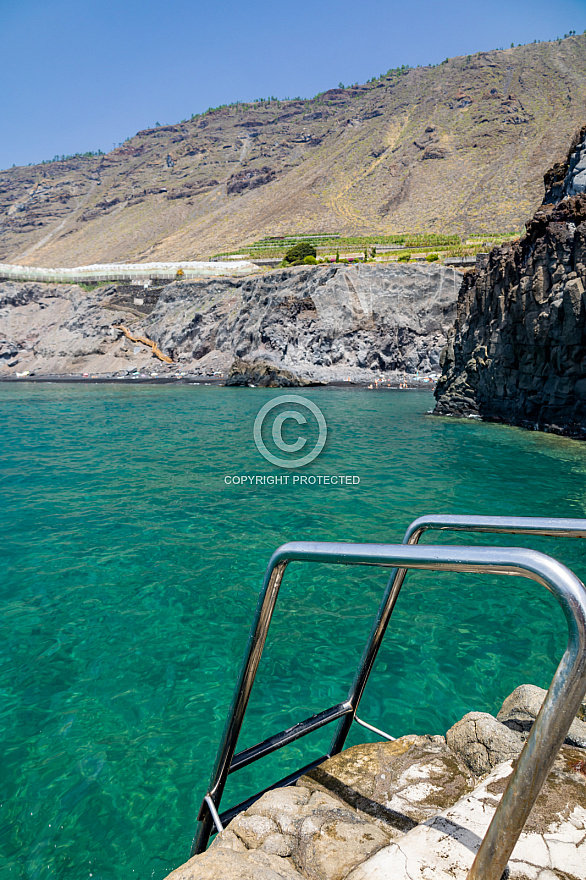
{"x":395,"y":385}
{"x":517,"y":353}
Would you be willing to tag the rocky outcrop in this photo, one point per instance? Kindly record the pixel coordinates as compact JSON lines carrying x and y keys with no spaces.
{"x":324,"y":323}
{"x":415,"y":807}
{"x":262,"y":375}
{"x":53,"y":329}
{"x":249,"y":179}
{"x":517,"y":352}
{"x":521,"y":708}
{"x":306,"y":324}
{"x":567,"y":178}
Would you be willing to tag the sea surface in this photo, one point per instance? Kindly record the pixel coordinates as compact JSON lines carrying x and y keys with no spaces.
{"x":130,"y":566}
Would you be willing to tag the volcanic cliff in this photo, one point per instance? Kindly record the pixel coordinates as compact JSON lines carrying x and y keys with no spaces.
{"x":322,"y":323}
{"x":517,"y":353}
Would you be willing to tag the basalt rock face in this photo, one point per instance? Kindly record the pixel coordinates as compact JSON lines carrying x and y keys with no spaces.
{"x":326,"y":323}
{"x":517,"y":353}
{"x":293,"y":326}
{"x":568,"y":178}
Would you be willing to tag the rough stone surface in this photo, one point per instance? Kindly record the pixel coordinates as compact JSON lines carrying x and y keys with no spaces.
{"x":395,"y":784}
{"x":568,"y":178}
{"x":483,"y":742}
{"x":349,"y":807}
{"x":521,"y":708}
{"x":552,"y":845}
{"x":407,"y":809}
{"x":517,"y":352}
{"x":253,"y":830}
{"x":324,"y":836}
{"x":60,"y":328}
{"x":323,"y":323}
{"x":225,"y":864}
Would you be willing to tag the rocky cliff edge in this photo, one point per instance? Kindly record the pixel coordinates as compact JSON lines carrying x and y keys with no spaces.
{"x":517,"y":353}
{"x":326,"y":323}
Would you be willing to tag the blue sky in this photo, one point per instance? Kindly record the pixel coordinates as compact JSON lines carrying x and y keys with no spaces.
{"x":83,"y":75}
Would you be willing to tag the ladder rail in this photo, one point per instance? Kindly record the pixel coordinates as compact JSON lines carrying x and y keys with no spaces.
{"x":278,"y":740}
{"x":511,"y":525}
{"x":560,"y":706}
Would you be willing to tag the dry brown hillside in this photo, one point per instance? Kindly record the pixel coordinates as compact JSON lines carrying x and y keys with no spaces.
{"x":461,"y":147}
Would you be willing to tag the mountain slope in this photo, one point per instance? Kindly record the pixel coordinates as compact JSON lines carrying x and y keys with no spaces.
{"x":459,"y":147}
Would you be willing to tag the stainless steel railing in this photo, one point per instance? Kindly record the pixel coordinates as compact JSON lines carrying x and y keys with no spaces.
{"x":566,"y":691}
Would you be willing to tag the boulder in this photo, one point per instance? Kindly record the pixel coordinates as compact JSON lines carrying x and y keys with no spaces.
{"x":483,"y":742}
{"x":323,"y":836}
{"x":521,"y":708}
{"x":251,"y":178}
{"x":263,"y":375}
{"x":225,"y":864}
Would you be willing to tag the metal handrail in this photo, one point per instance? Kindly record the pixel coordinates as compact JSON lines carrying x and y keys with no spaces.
{"x":511,"y":525}
{"x":562,"y":702}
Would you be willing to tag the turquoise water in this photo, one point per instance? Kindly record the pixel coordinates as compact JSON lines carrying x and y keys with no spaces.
{"x":129,"y":572}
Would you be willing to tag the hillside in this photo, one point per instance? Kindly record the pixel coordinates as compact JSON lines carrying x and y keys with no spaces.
{"x":460,"y":147}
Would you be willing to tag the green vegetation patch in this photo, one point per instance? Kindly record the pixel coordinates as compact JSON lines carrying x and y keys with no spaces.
{"x":402,"y":245}
{"x":299,"y":253}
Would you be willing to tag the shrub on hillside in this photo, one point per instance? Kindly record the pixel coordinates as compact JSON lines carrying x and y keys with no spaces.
{"x":431,"y":258}
{"x":296,"y":255}
{"x":404,"y":258}
{"x":310,"y":261}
